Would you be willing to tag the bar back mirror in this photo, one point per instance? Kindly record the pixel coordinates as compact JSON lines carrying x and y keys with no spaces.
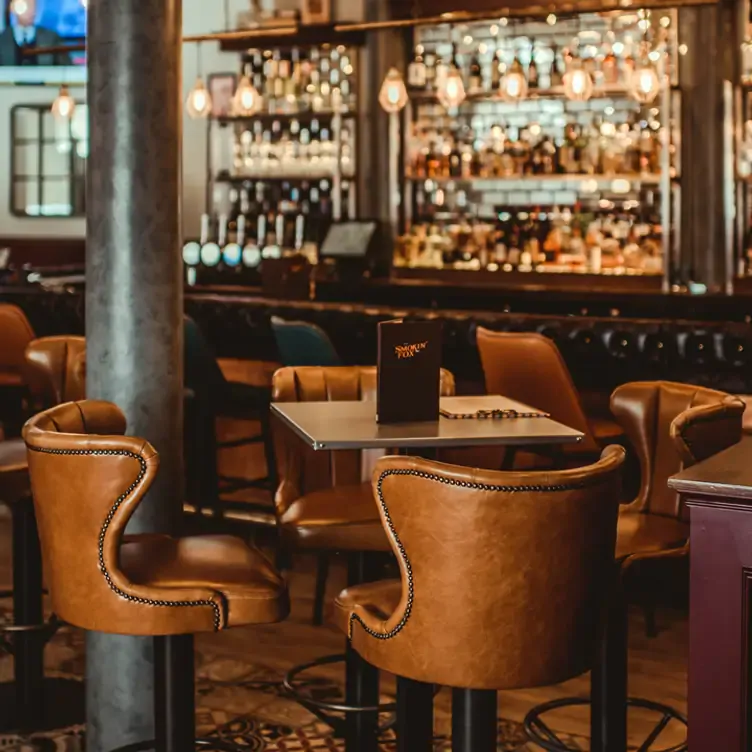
{"x":48,"y":162}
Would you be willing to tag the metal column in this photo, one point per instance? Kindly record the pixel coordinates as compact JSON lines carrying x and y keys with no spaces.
{"x":134,"y":302}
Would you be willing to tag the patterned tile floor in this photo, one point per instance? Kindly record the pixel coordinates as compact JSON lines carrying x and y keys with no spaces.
{"x":237,"y":702}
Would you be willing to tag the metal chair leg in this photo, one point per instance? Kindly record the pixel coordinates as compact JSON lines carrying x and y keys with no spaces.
{"x":474,"y":723}
{"x":414,"y":716}
{"x":322,"y":575}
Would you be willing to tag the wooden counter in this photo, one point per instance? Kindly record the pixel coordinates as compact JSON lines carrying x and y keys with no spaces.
{"x":718,"y":493}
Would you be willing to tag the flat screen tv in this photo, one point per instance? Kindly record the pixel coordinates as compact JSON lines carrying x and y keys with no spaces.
{"x":29,"y":24}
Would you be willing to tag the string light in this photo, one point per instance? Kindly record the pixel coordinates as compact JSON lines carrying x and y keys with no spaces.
{"x":64,"y":105}
{"x":393,"y":94}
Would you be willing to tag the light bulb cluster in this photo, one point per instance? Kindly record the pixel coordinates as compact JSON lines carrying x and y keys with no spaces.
{"x":644,"y":83}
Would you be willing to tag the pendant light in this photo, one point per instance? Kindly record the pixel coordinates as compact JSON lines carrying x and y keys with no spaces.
{"x":644,"y":83}
{"x":451,"y":88}
{"x":198,"y":104}
{"x":513,"y":84}
{"x":578,"y":83}
{"x":393,"y":94}
{"x":247,"y":100}
{"x":452,"y":93}
{"x":64,"y":104}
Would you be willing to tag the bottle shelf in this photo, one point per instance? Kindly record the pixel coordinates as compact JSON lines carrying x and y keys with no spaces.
{"x":302,"y":115}
{"x":279,"y":177}
{"x":530,"y":181}
{"x":614,"y":91}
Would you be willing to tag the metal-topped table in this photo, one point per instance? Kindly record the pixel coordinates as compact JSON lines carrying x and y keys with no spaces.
{"x":352,"y":425}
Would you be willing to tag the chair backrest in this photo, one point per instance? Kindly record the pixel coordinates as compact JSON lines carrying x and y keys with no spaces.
{"x":660,"y":417}
{"x":504,"y":574}
{"x":301,"y":470}
{"x":87,"y":479}
{"x":15,"y":335}
{"x":302,"y":344}
{"x":528,"y":367}
{"x":55,"y":369}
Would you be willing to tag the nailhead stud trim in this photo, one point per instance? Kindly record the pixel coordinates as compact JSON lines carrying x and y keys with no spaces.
{"x":106,"y":524}
{"x":401,"y":548}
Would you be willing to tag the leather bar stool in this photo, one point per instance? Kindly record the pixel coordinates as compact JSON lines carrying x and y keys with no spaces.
{"x":529,"y":368}
{"x":15,"y":334}
{"x":503,"y":578}
{"x":32,"y":702}
{"x":88,"y":479}
{"x":55,"y":369}
{"x":323,"y":507}
{"x":670,"y":426}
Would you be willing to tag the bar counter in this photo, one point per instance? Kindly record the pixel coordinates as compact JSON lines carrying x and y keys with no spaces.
{"x":606,"y":338}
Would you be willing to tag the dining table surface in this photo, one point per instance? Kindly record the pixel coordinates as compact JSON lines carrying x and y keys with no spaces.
{"x":353,"y":425}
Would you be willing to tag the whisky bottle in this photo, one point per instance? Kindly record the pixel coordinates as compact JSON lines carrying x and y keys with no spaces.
{"x":475,"y":79}
{"x":532,"y":69}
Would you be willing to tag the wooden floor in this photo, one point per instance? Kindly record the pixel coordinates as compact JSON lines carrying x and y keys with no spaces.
{"x":657,"y":667}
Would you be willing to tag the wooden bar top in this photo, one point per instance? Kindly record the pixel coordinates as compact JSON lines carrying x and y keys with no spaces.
{"x":727,"y":474}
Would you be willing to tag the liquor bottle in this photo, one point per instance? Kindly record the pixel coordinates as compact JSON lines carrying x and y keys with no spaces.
{"x":496,"y":68}
{"x":430,"y":62}
{"x":532,"y":69}
{"x":475,"y":80}
{"x":555,"y":74}
{"x":417,"y":74}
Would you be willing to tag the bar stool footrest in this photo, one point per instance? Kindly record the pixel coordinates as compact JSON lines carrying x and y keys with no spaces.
{"x":540,"y":733}
{"x":322,"y":709}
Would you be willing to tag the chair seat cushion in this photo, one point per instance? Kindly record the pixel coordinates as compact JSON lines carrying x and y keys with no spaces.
{"x":648,"y":533}
{"x":253,"y":590}
{"x":343,"y":518}
{"x":14,"y":471}
{"x":380,"y":599}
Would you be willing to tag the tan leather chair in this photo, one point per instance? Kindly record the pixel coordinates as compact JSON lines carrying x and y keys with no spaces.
{"x":55,"y":369}
{"x":15,"y":334}
{"x":87,"y":480}
{"x":528,"y":367}
{"x":322,"y":503}
{"x":503,"y":576}
{"x":670,"y":426}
